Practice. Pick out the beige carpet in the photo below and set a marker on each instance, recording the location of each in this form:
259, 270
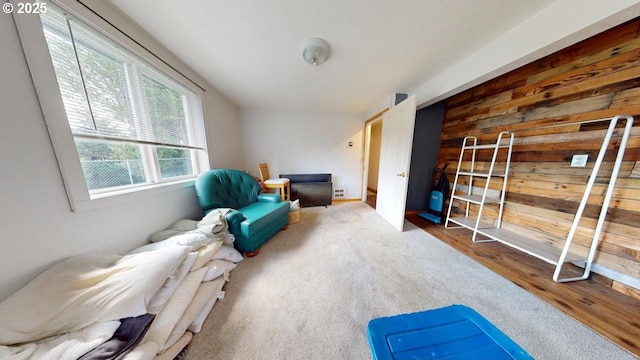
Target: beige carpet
313, 288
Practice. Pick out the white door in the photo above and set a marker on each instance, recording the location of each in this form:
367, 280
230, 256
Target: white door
395, 158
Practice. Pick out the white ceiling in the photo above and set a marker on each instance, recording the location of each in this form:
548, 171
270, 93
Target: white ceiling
250, 49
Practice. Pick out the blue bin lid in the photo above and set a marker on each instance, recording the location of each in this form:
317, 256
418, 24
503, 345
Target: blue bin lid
452, 332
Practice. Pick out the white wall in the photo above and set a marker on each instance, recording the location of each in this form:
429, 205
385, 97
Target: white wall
305, 142
38, 228
223, 132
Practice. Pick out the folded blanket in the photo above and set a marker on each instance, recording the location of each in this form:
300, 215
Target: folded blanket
169, 287
83, 290
126, 337
172, 311
214, 222
213, 225
198, 321
68, 346
205, 292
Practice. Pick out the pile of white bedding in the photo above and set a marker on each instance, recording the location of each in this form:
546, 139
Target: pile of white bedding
143, 305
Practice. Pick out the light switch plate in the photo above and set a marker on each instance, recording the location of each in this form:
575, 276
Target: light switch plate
579, 160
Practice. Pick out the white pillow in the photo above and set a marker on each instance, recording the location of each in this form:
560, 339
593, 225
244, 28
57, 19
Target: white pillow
84, 289
185, 225
164, 293
197, 323
204, 293
205, 254
227, 238
228, 253
177, 228
172, 311
218, 268
192, 240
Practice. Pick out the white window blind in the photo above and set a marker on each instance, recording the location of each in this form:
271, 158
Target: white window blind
131, 123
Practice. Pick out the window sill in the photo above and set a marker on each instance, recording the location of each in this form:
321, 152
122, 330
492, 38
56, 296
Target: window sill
131, 194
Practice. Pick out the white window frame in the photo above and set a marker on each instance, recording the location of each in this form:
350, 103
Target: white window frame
44, 79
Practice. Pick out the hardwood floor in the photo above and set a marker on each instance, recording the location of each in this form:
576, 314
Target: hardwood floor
371, 197
608, 312
371, 200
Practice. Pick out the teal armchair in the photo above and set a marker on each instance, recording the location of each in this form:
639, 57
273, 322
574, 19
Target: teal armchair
254, 217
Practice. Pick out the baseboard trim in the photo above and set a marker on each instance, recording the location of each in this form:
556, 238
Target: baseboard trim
334, 201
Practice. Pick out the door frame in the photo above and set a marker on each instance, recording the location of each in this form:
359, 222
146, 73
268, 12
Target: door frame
366, 149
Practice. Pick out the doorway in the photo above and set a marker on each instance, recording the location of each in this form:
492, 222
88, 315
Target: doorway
372, 141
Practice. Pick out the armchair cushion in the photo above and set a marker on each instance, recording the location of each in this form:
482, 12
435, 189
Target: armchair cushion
254, 217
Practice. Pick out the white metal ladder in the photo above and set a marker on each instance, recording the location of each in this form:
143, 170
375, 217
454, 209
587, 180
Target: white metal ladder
605, 204
504, 141
533, 247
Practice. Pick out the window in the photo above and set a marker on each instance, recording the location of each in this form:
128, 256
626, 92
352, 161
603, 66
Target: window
132, 124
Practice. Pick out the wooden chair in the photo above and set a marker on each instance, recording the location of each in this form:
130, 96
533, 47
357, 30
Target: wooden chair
283, 184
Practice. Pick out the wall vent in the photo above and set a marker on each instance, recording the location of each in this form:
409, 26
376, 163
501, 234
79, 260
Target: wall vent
338, 193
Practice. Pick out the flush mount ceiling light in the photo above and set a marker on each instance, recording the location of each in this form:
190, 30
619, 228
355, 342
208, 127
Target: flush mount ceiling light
315, 51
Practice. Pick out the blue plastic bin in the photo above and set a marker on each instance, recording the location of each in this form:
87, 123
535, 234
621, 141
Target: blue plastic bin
453, 332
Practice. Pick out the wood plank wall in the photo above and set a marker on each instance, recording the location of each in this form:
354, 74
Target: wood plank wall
596, 78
